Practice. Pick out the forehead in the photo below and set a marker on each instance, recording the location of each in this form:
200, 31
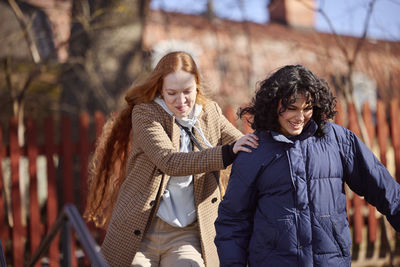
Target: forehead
299, 99
178, 80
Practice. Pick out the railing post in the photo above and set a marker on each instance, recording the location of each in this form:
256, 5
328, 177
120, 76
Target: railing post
45, 244
66, 244
67, 219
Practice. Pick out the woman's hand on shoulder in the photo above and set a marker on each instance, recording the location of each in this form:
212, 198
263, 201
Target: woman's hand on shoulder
242, 144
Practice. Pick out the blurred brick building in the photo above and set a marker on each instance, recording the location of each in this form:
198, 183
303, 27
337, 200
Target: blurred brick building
233, 56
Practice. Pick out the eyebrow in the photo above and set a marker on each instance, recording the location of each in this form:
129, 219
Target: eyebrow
187, 88
306, 106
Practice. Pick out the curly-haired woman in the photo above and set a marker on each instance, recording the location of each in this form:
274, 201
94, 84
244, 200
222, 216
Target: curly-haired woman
285, 203
155, 168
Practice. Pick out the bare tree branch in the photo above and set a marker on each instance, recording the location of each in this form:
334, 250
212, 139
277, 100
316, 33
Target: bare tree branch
247, 33
337, 37
7, 74
98, 89
350, 60
361, 40
20, 18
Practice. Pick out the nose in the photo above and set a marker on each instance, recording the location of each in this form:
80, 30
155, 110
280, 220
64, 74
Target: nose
300, 115
181, 98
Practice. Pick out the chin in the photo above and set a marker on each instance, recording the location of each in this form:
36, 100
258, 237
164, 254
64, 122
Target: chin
294, 133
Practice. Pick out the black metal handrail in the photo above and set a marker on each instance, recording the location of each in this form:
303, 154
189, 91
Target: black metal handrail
70, 217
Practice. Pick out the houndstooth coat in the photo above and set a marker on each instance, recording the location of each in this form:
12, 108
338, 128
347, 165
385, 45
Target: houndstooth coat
154, 157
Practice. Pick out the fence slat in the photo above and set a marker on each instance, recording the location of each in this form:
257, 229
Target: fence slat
358, 203
395, 126
67, 171
67, 160
18, 232
35, 225
52, 209
84, 150
339, 118
382, 130
4, 234
372, 221
99, 121
395, 123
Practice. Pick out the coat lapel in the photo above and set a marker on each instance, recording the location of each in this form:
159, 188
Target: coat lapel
171, 128
206, 133
175, 134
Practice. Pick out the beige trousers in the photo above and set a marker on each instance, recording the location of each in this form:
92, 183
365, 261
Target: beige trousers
165, 246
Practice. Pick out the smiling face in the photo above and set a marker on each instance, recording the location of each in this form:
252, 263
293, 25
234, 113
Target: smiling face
179, 91
295, 117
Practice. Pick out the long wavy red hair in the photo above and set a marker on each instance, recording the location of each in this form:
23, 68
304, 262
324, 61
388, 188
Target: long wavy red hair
108, 164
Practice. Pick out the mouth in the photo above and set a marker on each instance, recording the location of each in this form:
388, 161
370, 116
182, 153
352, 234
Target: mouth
181, 108
296, 125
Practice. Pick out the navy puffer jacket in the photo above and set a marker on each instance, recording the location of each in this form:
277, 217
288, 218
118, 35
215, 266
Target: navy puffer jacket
285, 204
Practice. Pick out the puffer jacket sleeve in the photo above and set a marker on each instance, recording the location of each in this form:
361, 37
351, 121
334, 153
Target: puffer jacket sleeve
368, 177
234, 224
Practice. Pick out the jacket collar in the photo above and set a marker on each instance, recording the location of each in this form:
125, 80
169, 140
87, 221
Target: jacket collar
308, 131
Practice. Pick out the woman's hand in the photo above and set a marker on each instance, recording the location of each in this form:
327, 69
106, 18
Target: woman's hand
249, 139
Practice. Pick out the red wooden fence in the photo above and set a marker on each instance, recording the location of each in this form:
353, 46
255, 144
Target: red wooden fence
68, 159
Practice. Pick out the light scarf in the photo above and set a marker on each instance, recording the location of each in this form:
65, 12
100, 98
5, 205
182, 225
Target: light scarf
189, 122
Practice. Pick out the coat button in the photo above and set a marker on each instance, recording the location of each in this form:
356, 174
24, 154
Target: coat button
214, 200
159, 171
137, 232
152, 203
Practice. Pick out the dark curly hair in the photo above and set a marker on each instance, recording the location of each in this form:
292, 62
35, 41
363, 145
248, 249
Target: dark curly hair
284, 85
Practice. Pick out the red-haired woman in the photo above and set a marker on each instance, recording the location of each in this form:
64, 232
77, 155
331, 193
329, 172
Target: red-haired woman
154, 171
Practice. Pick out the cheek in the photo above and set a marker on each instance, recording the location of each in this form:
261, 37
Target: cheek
192, 97
169, 100
308, 115
282, 119
284, 115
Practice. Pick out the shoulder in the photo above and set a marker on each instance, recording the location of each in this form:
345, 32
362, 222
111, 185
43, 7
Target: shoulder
247, 165
212, 108
145, 107
211, 112
148, 109
342, 135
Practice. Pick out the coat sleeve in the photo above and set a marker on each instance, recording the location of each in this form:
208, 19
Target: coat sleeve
368, 177
234, 224
158, 147
229, 133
